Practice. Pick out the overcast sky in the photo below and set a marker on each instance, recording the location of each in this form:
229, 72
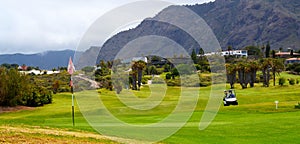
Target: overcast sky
34, 26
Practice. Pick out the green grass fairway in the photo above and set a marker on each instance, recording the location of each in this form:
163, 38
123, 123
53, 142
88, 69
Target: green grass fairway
254, 120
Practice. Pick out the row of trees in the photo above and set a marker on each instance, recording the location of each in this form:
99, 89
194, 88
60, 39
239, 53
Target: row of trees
18, 89
246, 71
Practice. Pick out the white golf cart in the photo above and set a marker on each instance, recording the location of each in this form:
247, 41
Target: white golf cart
230, 98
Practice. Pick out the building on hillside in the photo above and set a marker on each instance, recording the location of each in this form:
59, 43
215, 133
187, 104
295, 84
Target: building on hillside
144, 59
236, 53
39, 72
129, 60
286, 54
292, 60
52, 72
33, 71
23, 68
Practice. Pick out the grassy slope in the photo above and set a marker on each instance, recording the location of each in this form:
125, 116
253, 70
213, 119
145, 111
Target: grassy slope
255, 120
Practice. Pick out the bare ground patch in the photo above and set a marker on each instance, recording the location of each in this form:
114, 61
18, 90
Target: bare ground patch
14, 109
9, 134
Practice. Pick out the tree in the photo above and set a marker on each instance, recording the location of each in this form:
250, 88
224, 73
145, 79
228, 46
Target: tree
167, 67
201, 51
254, 66
241, 69
137, 68
62, 68
13, 86
231, 74
194, 56
253, 50
229, 48
104, 70
277, 66
152, 70
292, 53
273, 54
174, 73
202, 60
55, 86
265, 68
297, 69
268, 48
281, 81
109, 64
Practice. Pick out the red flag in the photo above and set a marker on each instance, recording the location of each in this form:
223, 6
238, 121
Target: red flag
71, 83
71, 68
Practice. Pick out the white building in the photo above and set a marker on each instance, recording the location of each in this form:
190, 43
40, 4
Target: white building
129, 60
237, 53
39, 72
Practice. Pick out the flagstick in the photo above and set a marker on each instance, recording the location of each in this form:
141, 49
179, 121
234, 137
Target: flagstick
73, 107
71, 84
71, 70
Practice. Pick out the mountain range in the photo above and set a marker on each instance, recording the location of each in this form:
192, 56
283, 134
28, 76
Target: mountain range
46, 60
237, 23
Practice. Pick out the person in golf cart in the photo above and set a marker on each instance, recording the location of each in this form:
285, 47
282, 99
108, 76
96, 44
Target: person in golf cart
225, 94
231, 95
229, 98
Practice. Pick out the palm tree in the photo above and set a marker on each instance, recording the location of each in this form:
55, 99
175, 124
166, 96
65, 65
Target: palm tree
248, 72
265, 68
241, 69
231, 74
277, 66
133, 76
137, 68
253, 69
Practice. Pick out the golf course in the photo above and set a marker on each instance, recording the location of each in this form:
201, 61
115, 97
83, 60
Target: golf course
254, 120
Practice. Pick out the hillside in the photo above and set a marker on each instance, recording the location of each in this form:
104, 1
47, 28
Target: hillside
245, 22
235, 22
46, 60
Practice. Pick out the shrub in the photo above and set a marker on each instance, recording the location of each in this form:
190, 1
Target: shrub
281, 81
55, 86
297, 106
297, 69
173, 82
145, 79
37, 97
292, 81
168, 76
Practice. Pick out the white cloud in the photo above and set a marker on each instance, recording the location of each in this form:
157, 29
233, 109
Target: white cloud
31, 26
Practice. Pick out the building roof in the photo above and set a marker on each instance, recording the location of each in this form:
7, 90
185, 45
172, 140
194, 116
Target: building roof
293, 59
286, 53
